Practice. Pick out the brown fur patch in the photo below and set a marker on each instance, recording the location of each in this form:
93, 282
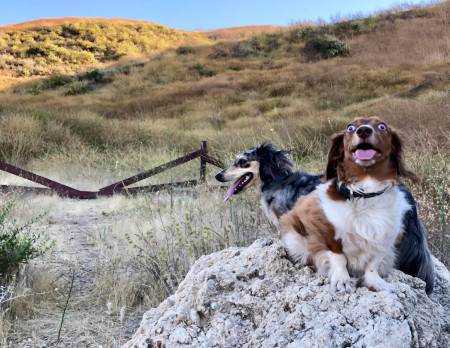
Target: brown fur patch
298, 226
308, 219
333, 193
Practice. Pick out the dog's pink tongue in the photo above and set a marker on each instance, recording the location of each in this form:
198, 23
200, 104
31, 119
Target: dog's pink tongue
232, 188
365, 155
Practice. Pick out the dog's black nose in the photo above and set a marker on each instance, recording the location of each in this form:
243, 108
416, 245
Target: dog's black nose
364, 131
219, 177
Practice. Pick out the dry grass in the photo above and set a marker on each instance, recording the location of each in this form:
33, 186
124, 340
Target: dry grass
128, 255
239, 33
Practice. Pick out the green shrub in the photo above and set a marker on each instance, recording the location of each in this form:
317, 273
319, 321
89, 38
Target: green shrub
69, 30
307, 32
270, 42
19, 243
326, 47
356, 26
185, 50
76, 87
202, 70
217, 54
55, 82
245, 49
95, 75
36, 51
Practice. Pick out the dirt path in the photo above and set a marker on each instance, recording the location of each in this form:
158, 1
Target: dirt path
88, 321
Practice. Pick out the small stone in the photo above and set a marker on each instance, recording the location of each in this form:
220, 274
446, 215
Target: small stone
180, 335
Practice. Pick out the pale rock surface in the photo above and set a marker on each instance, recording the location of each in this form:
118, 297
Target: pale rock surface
255, 297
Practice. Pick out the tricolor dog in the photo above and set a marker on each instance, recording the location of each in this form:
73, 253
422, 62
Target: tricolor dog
270, 171
349, 226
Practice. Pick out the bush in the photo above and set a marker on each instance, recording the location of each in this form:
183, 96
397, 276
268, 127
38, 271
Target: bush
202, 70
95, 75
217, 54
185, 50
55, 82
36, 51
326, 47
245, 49
77, 87
270, 42
19, 243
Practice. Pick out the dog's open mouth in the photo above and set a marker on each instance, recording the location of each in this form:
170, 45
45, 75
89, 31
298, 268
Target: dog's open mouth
366, 152
239, 185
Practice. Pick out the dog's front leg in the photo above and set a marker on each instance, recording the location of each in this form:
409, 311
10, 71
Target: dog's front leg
373, 280
334, 266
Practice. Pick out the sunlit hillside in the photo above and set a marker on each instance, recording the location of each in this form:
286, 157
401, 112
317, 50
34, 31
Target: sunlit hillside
52, 46
52, 22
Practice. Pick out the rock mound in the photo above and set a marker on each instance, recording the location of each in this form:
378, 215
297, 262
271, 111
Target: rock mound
255, 297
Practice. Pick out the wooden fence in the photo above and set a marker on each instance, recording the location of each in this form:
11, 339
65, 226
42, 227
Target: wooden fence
118, 187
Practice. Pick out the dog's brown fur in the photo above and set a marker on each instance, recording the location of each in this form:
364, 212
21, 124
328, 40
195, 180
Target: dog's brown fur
317, 236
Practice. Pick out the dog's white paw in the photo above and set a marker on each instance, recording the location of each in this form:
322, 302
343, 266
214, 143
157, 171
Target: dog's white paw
379, 284
342, 284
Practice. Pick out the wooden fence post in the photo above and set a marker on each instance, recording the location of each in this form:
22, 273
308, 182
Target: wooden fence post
204, 149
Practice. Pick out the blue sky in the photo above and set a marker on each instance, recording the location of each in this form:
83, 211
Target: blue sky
191, 15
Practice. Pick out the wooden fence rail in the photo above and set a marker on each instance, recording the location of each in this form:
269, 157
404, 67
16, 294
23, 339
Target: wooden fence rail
118, 187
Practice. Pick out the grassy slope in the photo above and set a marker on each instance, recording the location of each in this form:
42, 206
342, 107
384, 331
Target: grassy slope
46, 47
239, 33
238, 94
65, 45
259, 85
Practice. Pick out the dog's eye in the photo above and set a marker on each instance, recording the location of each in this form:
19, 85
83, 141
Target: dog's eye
351, 128
242, 162
382, 126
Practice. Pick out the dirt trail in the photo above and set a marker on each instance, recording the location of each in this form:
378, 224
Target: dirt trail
88, 322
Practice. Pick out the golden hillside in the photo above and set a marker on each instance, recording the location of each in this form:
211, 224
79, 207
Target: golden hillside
51, 46
55, 46
53, 22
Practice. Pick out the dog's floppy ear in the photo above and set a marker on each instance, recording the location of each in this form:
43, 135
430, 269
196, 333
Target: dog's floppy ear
272, 162
264, 152
265, 171
266, 166
335, 155
267, 161
396, 157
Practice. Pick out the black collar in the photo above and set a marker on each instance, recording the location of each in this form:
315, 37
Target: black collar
349, 194
286, 174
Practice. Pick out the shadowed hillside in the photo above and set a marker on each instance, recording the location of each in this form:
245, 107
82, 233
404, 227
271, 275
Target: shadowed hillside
239, 33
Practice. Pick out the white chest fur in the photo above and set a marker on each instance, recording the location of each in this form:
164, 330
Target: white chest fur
367, 227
